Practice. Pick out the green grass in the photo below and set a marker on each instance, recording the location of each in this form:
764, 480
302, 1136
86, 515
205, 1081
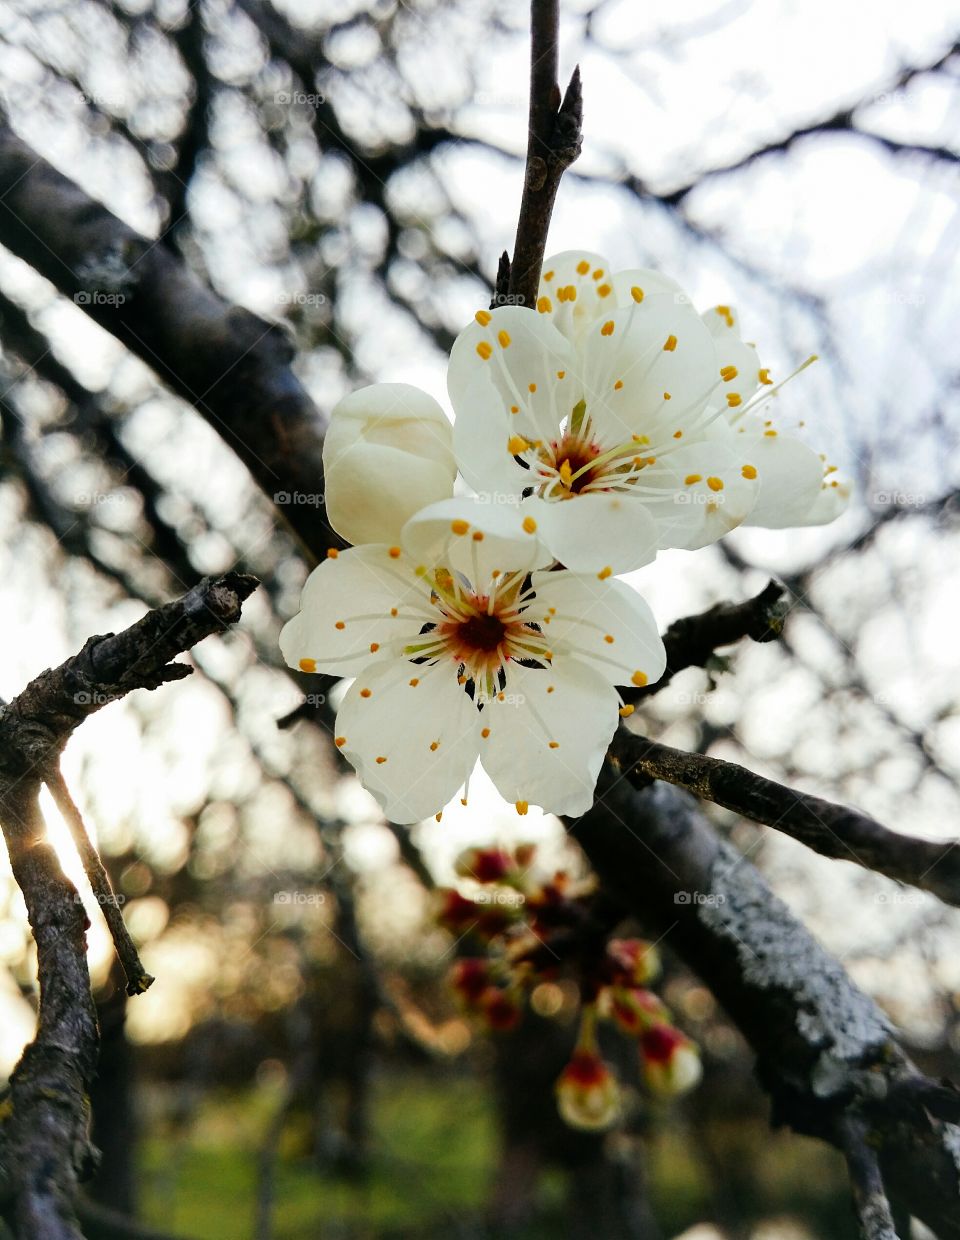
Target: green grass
431, 1157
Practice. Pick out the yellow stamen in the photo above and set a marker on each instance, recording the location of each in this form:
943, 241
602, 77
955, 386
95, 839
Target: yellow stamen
544, 305
692, 478
522, 807
734, 399
637, 294
529, 525
607, 329
639, 679
715, 484
308, 665
504, 339
485, 349
670, 344
626, 711
605, 572
728, 372
749, 471
483, 317
459, 526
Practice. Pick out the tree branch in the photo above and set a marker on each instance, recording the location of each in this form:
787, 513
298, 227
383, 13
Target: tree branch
832, 830
553, 143
823, 1047
44, 1145
233, 367
869, 1196
693, 640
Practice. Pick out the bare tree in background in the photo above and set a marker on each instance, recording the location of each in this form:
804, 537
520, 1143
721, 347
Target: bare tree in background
332, 159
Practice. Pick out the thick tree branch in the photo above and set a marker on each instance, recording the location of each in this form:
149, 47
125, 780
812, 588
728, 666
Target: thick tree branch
553, 143
44, 1146
832, 830
233, 367
823, 1047
869, 1195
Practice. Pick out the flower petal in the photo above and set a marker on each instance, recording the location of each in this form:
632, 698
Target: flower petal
605, 622
575, 287
649, 370
504, 373
387, 452
421, 725
548, 735
594, 530
701, 491
474, 538
790, 476
356, 609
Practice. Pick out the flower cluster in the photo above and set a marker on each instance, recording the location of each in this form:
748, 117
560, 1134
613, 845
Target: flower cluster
611, 423
533, 932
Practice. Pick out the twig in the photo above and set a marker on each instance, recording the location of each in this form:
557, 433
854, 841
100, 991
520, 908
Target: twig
869, 1196
138, 979
553, 143
693, 640
832, 830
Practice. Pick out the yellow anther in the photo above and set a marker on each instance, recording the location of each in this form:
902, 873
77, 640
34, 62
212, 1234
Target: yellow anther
604, 573
749, 471
548, 276
667, 396
339, 741
365, 693
522, 807
770, 434
374, 647
434, 746
504, 339
604, 290
380, 761
514, 408
483, 317
566, 474
531, 387
583, 267
308, 665
394, 553
485, 733
544, 305
637, 294
332, 553
550, 688
608, 638
734, 399
764, 376
439, 815
678, 434
715, 484
414, 682
517, 444
639, 679
692, 478
561, 374
670, 344
554, 744
640, 438
728, 372
340, 625
485, 349
529, 525
626, 711
393, 611
726, 314
459, 526
618, 385
607, 329
598, 274
478, 535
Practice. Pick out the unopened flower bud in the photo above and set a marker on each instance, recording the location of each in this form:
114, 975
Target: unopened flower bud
387, 453
470, 979
588, 1096
485, 865
632, 961
671, 1062
634, 1009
